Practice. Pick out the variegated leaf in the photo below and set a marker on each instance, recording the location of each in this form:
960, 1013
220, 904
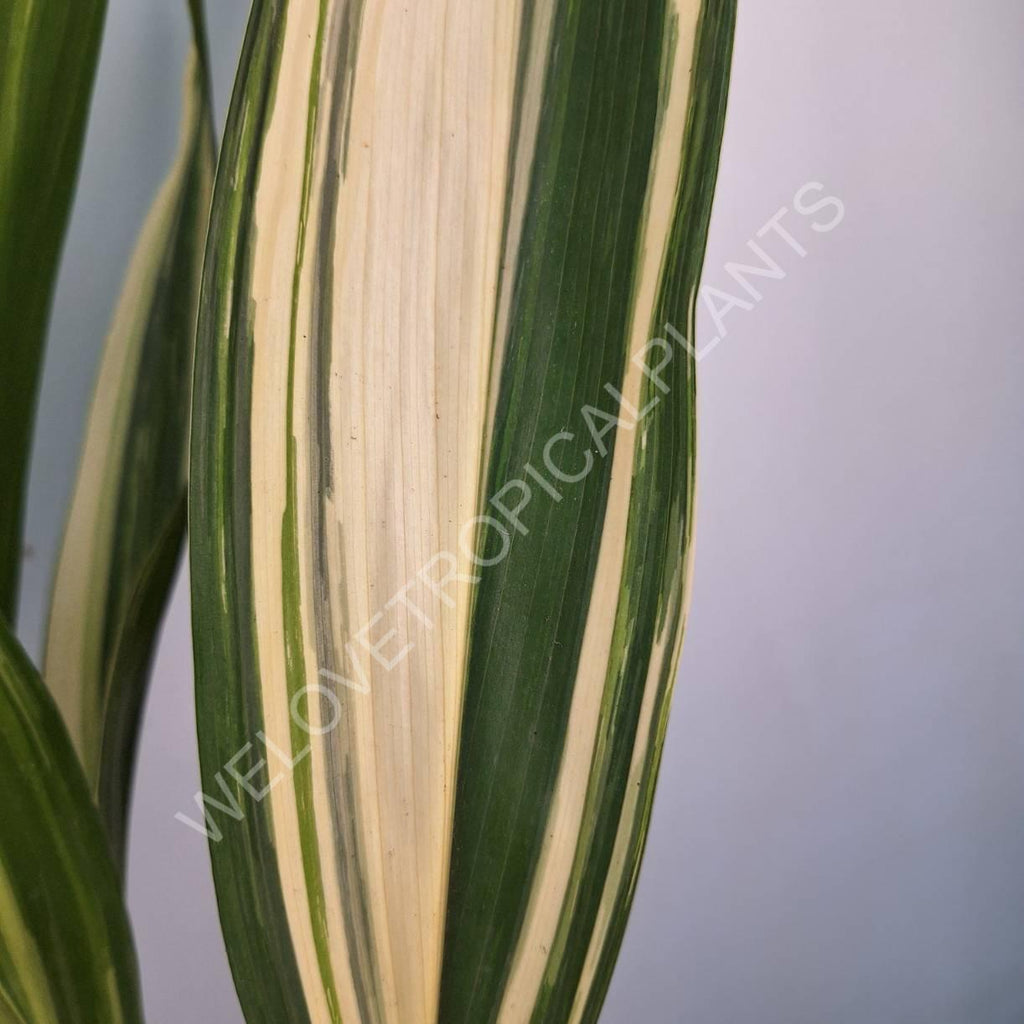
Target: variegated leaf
442, 492
127, 516
48, 54
66, 953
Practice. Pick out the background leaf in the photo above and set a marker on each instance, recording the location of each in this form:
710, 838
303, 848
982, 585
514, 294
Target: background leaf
429, 740
48, 54
66, 954
127, 516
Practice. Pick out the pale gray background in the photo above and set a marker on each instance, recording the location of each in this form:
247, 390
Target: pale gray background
839, 830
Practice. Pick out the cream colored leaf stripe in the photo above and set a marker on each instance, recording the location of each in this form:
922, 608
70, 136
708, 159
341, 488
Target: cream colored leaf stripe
441, 498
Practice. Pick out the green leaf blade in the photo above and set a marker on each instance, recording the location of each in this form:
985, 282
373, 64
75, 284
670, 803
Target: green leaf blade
48, 56
126, 523
68, 951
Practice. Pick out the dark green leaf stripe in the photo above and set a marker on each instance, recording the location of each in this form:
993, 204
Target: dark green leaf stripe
652, 604
442, 492
66, 954
658, 568
48, 54
569, 337
127, 516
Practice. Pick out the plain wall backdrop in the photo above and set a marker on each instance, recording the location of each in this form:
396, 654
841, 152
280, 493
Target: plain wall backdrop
838, 836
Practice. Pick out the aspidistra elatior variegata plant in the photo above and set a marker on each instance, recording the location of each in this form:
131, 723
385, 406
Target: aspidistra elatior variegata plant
442, 492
